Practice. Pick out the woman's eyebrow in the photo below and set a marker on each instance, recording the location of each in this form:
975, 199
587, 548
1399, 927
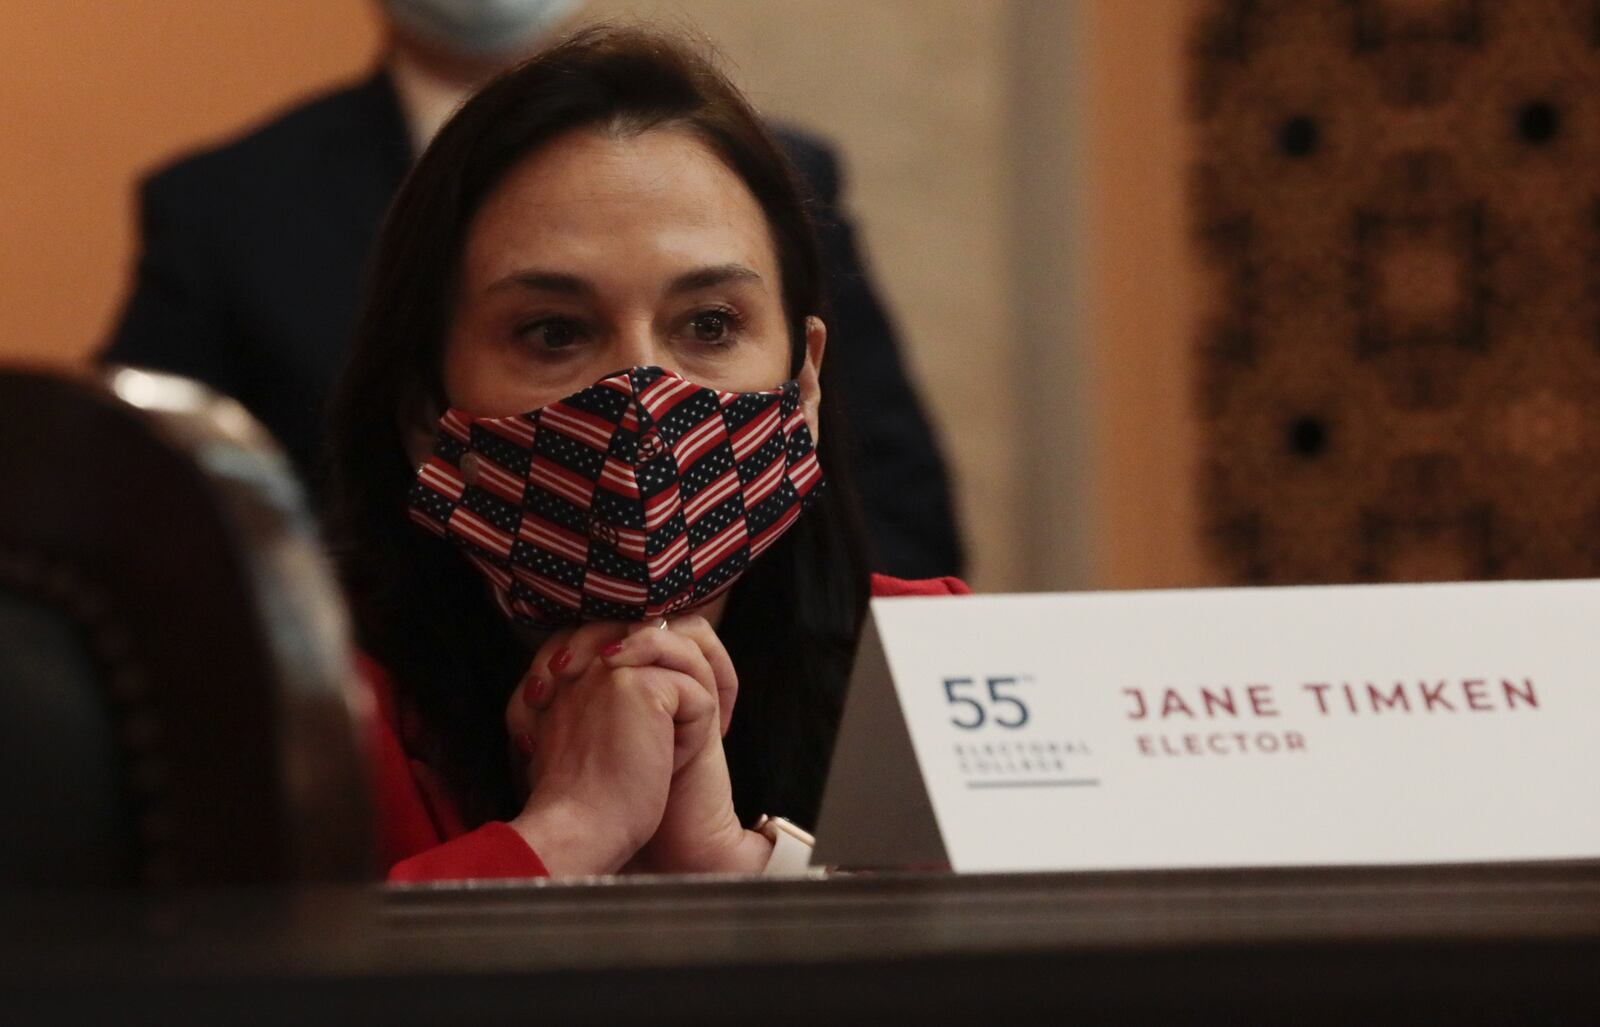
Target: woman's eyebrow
572, 285
545, 281
707, 277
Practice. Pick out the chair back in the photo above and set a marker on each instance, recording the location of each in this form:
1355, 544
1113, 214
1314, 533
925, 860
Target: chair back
176, 685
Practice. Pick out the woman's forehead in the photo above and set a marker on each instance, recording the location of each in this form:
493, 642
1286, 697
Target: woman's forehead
661, 195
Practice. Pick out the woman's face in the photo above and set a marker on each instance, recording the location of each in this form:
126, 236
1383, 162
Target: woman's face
599, 253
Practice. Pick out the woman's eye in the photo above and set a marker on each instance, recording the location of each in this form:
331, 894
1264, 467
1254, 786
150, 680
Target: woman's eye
552, 332
712, 326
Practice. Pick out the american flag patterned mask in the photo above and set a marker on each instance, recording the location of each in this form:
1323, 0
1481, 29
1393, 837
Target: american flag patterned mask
641, 495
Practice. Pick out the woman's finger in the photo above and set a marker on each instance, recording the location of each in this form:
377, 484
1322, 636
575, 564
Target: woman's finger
686, 700
535, 690
700, 630
522, 724
567, 654
646, 646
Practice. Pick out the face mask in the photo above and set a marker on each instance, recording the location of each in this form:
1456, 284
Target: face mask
481, 28
639, 496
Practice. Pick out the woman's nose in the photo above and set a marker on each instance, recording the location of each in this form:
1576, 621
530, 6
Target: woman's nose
639, 346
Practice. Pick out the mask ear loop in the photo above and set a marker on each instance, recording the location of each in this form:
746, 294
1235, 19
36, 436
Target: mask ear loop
662, 624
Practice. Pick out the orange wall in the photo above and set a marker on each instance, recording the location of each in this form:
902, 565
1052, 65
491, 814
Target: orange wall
94, 92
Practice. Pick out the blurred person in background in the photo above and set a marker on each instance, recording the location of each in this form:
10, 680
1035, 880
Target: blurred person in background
254, 256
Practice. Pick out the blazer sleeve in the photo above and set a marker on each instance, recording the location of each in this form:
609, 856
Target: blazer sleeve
175, 317
885, 587
494, 850
419, 832
900, 472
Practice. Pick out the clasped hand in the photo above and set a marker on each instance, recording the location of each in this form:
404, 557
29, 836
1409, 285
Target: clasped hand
620, 727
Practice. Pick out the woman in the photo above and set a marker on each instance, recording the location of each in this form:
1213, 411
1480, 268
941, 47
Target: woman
593, 322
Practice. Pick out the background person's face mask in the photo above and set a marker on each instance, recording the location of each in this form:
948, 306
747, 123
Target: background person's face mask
481, 28
638, 496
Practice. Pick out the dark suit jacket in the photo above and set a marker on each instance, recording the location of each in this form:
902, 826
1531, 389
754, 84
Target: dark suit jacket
251, 274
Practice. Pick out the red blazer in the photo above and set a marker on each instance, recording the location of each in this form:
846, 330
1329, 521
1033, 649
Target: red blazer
420, 827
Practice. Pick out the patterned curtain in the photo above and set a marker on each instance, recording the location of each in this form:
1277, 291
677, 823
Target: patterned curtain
1398, 211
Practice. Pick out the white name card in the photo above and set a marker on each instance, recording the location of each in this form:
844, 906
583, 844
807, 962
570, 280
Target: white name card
1380, 724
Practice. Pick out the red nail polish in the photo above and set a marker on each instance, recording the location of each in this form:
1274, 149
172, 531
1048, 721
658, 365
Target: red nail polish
524, 744
559, 661
533, 692
611, 650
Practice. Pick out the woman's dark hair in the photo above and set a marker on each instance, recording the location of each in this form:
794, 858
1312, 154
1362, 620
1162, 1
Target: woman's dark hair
791, 623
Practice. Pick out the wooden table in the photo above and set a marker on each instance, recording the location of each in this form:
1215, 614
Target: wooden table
1473, 944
